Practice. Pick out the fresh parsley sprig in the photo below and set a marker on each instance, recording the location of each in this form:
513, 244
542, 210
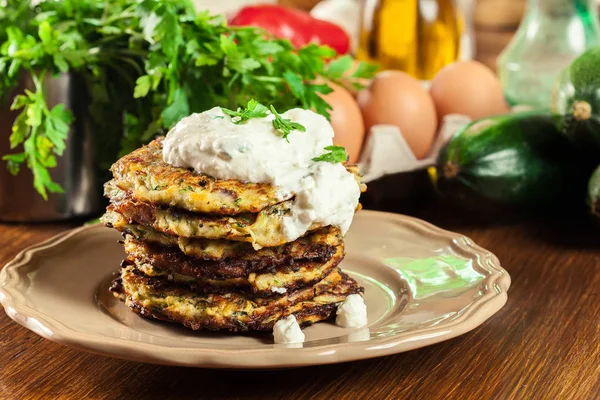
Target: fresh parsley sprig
253, 110
256, 110
336, 154
285, 125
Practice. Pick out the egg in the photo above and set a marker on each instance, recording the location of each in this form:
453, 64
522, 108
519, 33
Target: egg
468, 88
346, 120
396, 98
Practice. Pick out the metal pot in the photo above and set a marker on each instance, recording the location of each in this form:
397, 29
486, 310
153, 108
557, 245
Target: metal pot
75, 172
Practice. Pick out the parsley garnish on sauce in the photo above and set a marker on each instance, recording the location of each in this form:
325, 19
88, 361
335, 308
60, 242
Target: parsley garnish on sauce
285, 126
256, 110
336, 154
253, 110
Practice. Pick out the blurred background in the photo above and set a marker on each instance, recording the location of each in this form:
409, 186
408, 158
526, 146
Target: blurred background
494, 22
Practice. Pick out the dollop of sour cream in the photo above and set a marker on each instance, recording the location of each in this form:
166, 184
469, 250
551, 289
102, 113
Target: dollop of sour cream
287, 331
352, 313
254, 151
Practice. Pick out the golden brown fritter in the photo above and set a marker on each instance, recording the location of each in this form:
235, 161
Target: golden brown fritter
218, 277
160, 299
264, 229
146, 177
144, 173
318, 245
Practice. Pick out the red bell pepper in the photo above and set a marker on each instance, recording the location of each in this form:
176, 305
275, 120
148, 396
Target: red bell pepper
296, 25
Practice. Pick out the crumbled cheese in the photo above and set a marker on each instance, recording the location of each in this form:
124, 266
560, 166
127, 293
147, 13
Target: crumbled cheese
352, 313
288, 331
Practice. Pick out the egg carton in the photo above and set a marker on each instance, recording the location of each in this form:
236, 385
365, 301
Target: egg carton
386, 152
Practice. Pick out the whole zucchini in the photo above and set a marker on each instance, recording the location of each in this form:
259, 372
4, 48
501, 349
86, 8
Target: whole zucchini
576, 102
508, 162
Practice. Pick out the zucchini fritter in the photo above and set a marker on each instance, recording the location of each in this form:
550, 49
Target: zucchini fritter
218, 277
158, 298
144, 173
319, 244
264, 229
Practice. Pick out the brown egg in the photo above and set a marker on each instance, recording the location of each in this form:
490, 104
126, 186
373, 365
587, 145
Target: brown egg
346, 120
396, 98
468, 88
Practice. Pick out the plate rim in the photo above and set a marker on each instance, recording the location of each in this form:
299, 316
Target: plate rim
493, 300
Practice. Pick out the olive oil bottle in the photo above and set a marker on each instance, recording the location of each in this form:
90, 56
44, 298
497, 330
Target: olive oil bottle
418, 37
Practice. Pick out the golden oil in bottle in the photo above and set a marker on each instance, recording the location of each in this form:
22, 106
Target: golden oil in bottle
418, 37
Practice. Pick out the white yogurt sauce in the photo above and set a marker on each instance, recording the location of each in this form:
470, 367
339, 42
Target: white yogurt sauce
352, 313
254, 151
288, 331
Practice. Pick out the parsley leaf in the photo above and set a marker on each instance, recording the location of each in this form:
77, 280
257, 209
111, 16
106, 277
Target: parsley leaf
285, 125
57, 127
338, 66
296, 84
365, 70
253, 110
142, 86
336, 154
14, 162
178, 109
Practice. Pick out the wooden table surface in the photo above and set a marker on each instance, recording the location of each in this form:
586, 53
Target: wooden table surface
544, 344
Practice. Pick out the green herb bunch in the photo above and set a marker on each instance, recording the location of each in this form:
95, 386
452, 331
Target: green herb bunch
145, 64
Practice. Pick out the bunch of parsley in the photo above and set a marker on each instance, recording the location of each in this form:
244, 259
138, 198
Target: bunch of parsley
145, 64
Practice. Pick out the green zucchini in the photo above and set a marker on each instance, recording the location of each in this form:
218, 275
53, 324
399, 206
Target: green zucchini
594, 193
508, 162
576, 102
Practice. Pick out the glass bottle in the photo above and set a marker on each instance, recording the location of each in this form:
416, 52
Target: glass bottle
552, 34
415, 36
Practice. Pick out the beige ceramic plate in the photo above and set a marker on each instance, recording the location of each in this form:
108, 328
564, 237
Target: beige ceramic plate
422, 285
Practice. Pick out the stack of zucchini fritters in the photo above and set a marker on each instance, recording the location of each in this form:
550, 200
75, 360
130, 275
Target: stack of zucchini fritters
212, 254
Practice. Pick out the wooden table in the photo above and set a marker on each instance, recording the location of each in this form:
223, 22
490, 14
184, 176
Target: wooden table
544, 344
